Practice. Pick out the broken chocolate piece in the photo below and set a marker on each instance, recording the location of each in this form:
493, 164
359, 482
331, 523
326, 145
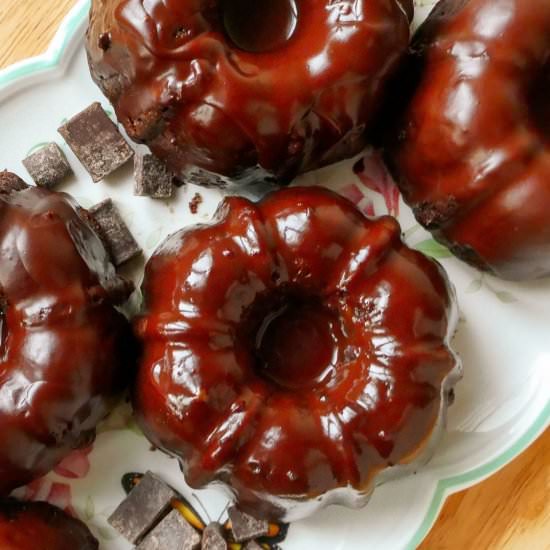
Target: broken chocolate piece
143, 507
96, 141
212, 538
246, 527
10, 182
48, 166
114, 232
252, 545
152, 178
172, 533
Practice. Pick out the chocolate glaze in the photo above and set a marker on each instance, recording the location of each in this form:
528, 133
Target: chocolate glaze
295, 93
65, 351
38, 525
473, 150
259, 27
291, 349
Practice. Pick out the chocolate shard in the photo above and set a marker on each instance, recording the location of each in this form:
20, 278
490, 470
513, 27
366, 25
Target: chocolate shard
172, 533
149, 501
96, 141
48, 166
246, 527
114, 232
152, 178
252, 545
212, 538
10, 182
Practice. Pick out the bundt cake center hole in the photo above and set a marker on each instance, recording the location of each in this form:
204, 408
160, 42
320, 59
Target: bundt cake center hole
258, 26
540, 105
296, 345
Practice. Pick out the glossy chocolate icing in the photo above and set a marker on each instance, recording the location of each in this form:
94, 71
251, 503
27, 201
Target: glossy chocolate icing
41, 526
220, 85
473, 151
294, 350
65, 351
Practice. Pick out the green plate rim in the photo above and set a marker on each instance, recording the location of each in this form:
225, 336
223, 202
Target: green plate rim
444, 487
53, 57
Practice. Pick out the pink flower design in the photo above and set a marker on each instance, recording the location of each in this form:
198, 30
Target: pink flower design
368, 209
36, 490
76, 465
358, 197
60, 495
44, 490
374, 175
353, 193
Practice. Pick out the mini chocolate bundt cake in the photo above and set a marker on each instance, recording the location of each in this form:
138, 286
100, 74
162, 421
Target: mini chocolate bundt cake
295, 351
472, 152
247, 87
65, 351
41, 526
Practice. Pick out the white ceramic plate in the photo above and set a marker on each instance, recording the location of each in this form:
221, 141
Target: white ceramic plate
502, 404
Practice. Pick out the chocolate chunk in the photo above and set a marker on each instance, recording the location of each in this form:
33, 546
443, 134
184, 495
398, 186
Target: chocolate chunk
114, 232
195, 202
48, 166
96, 141
172, 533
204, 178
246, 527
212, 538
10, 182
142, 509
252, 545
152, 178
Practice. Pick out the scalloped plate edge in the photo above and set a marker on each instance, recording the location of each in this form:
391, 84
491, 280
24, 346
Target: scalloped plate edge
54, 62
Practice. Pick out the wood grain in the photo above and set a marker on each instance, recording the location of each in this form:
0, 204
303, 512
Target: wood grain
27, 26
510, 511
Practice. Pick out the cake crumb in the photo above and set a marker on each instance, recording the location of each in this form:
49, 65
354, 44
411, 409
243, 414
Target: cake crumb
195, 203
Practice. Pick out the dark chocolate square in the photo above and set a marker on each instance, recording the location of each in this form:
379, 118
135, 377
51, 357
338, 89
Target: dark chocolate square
152, 178
212, 538
10, 182
48, 166
172, 533
246, 527
141, 510
114, 232
96, 141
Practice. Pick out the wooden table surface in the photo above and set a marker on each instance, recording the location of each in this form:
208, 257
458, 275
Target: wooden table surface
509, 511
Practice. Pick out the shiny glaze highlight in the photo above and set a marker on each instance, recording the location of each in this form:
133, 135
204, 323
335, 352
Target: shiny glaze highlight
357, 386
473, 153
283, 105
65, 351
41, 526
